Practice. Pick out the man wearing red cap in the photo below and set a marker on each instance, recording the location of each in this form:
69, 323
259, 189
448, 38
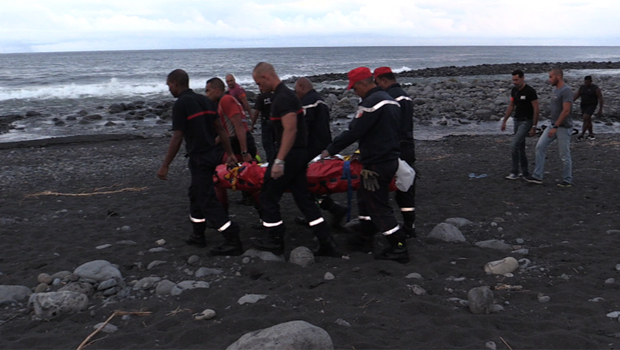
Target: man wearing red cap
385, 78
375, 127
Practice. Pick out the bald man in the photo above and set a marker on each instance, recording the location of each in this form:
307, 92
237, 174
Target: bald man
288, 170
316, 112
236, 91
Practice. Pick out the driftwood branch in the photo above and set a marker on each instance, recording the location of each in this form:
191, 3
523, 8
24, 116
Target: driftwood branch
116, 313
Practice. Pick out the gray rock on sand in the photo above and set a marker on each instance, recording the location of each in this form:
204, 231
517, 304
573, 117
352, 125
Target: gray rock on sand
251, 298
458, 222
494, 244
9, 293
79, 287
164, 287
187, 285
447, 232
301, 256
293, 335
205, 271
99, 270
480, 300
263, 255
54, 304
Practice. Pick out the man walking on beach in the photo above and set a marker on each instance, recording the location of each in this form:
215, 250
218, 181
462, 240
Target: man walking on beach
316, 113
591, 95
194, 118
375, 127
288, 170
561, 129
524, 102
386, 80
236, 91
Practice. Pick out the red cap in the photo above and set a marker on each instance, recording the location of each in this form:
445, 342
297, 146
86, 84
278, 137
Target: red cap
358, 74
382, 70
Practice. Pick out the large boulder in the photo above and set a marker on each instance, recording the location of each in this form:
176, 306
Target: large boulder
294, 335
54, 304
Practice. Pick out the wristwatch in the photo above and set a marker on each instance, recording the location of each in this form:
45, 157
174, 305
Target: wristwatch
244, 153
554, 126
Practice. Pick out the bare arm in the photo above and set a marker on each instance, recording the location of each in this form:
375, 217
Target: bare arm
509, 110
289, 125
536, 107
173, 149
230, 156
245, 104
240, 132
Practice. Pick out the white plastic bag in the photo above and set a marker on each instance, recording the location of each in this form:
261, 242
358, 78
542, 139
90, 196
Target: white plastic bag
405, 176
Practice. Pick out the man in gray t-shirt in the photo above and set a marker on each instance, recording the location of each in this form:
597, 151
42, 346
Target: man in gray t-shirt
561, 129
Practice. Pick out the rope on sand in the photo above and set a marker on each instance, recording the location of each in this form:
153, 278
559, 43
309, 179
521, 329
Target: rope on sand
50, 193
116, 313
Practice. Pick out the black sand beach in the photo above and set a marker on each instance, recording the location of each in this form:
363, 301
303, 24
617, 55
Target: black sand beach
571, 235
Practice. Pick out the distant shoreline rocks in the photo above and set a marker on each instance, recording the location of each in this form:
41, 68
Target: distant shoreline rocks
448, 101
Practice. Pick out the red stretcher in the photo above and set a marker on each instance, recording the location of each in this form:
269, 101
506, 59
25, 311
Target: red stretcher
324, 177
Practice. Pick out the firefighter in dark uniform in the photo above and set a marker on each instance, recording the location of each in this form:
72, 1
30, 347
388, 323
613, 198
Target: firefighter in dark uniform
195, 119
375, 127
262, 107
316, 112
288, 170
385, 79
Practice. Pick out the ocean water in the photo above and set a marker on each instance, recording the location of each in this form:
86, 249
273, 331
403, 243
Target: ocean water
59, 84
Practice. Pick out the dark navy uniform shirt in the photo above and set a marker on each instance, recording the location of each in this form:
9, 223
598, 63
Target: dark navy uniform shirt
284, 102
405, 132
375, 126
317, 117
194, 114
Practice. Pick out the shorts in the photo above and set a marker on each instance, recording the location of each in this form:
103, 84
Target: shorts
588, 109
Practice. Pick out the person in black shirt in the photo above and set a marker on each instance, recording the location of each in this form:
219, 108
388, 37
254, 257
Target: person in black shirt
262, 107
316, 113
288, 169
591, 95
195, 119
386, 80
375, 127
524, 101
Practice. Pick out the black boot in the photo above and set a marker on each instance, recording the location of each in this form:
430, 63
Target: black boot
363, 236
274, 242
232, 242
197, 238
337, 211
328, 247
397, 251
409, 224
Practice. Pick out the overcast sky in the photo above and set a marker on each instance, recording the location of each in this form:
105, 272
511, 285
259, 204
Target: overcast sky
65, 25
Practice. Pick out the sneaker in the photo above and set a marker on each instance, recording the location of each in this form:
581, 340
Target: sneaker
512, 176
565, 184
533, 180
590, 137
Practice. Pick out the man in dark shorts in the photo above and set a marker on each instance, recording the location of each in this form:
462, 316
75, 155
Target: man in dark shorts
386, 80
375, 127
316, 113
194, 118
288, 169
591, 95
524, 102
262, 107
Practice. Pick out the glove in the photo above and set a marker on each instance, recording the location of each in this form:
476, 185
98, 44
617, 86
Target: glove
370, 180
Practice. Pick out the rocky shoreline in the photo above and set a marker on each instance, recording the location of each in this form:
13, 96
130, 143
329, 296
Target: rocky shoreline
446, 96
